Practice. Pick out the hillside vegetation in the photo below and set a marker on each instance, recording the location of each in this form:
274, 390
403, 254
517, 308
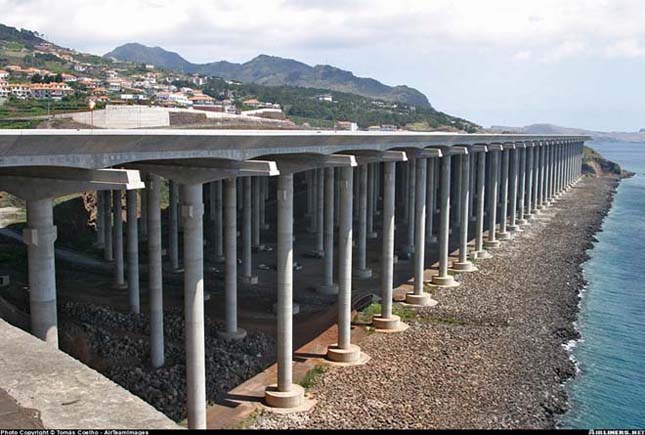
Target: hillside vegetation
302, 105
273, 71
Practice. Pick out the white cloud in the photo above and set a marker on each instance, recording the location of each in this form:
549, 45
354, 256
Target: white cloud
550, 30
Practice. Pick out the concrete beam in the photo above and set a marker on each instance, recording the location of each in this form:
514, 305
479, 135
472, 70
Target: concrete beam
194, 171
105, 148
364, 157
292, 163
33, 184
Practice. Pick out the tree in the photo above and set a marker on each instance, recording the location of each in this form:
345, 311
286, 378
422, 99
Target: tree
36, 78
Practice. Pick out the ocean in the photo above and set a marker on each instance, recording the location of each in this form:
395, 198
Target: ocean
609, 389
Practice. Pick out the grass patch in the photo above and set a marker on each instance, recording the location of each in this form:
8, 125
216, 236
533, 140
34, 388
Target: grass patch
447, 320
374, 309
311, 377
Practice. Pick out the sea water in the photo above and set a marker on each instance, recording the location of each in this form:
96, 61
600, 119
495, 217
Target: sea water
609, 388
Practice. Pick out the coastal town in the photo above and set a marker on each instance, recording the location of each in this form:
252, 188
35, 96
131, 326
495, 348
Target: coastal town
109, 82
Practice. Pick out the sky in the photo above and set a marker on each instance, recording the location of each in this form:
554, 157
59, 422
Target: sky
576, 63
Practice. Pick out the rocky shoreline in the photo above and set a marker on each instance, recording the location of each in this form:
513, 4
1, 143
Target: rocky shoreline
492, 353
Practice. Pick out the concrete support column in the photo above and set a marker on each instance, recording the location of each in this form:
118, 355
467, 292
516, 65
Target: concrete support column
558, 169
247, 257
418, 296
192, 211
412, 168
231, 330
431, 199
515, 166
309, 191
328, 286
522, 188
371, 234
547, 175
263, 203
100, 220
108, 252
144, 212
256, 181
473, 186
536, 179
173, 225
542, 202
387, 321
217, 224
493, 188
320, 219
344, 351
117, 242
480, 253
405, 189
464, 265
552, 176
529, 183
285, 394
362, 271
133, 251
312, 201
39, 236
503, 233
444, 279
153, 190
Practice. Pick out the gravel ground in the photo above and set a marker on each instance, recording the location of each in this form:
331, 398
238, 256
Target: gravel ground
116, 344
491, 354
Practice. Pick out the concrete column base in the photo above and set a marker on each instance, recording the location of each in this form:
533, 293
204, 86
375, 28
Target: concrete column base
123, 286
372, 235
422, 300
522, 222
392, 323
466, 266
444, 281
293, 398
504, 235
258, 248
328, 289
295, 308
346, 356
491, 243
235, 335
363, 273
252, 280
514, 228
531, 218
481, 255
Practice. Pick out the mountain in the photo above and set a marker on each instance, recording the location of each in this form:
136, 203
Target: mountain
22, 36
614, 136
273, 71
